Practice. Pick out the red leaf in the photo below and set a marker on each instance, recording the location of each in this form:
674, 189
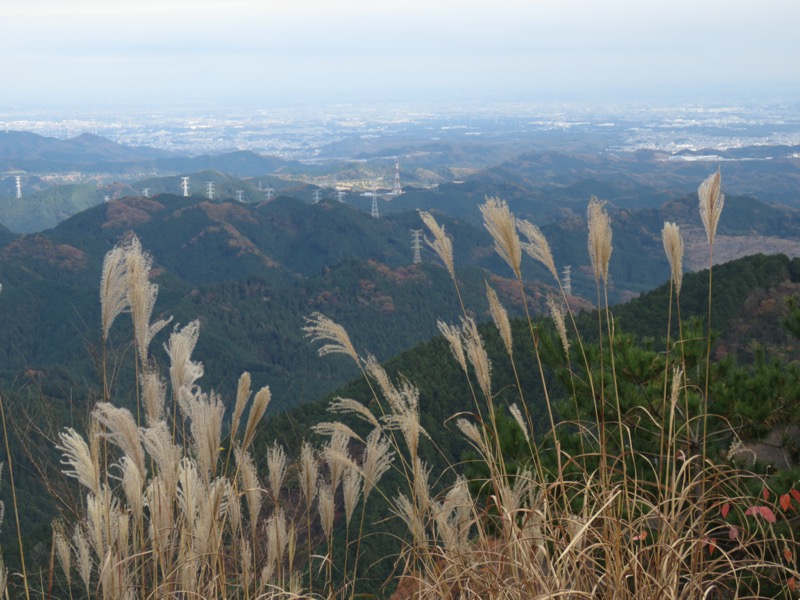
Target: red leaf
795, 494
641, 537
765, 493
792, 584
787, 554
764, 511
767, 514
786, 502
726, 508
733, 533
710, 544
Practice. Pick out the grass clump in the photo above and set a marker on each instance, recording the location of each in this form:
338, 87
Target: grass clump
625, 491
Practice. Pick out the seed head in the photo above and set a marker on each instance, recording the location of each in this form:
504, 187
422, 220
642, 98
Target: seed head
500, 223
711, 202
537, 246
673, 246
441, 244
599, 238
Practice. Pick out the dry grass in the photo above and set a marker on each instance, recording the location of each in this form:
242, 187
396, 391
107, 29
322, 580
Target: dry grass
170, 513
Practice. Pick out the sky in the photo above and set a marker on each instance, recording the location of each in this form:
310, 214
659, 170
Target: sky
276, 52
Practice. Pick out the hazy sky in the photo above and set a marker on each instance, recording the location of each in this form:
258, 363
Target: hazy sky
279, 51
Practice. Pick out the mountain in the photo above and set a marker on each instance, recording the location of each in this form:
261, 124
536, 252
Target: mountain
21, 150
251, 273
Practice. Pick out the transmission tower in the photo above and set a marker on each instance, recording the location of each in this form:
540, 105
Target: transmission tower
567, 280
18, 179
375, 214
146, 192
416, 245
210, 190
397, 190
269, 194
107, 199
240, 195
340, 195
185, 186
317, 196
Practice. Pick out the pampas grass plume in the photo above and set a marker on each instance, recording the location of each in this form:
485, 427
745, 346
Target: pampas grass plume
501, 225
599, 238
500, 318
441, 244
243, 391
537, 246
711, 202
321, 328
557, 313
673, 247
257, 410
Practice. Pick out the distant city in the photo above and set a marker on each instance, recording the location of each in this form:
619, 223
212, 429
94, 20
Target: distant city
340, 132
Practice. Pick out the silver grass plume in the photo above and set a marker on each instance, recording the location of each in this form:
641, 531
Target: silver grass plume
276, 465
441, 244
677, 376
404, 416
246, 562
154, 395
121, 431
405, 509
257, 410
328, 428
321, 328
711, 202
599, 238
452, 334
113, 286
673, 247
309, 473
167, 456
501, 225
459, 502
392, 394
476, 353
326, 509
277, 537
142, 296
422, 494
183, 371
243, 391
377, 460
515, 412
133, 486
350, 406
500, 318
63, 550
189, 494
250, 483
337, 456
83, 555
234, 513
557, 313
206, 428
80, 462
351, 491
473, 434
537, 246
161, 526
